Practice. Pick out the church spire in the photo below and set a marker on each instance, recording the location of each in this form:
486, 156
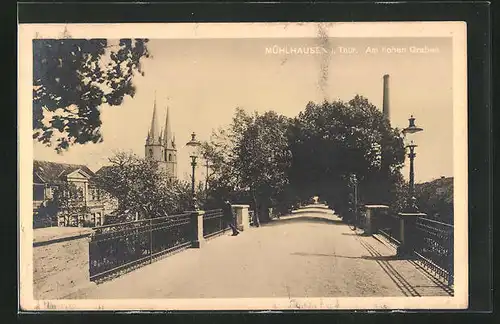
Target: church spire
154, 134
167, 135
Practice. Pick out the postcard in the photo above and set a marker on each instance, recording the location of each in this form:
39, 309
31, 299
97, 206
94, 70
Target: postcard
243, 166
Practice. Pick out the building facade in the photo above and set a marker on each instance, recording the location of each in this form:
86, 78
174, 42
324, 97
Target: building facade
160, 145
50, 179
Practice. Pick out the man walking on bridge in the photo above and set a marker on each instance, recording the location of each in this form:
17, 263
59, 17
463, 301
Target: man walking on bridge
229, 217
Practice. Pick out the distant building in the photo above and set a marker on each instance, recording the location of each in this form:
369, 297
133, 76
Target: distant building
160, 145
109, 202
47, 177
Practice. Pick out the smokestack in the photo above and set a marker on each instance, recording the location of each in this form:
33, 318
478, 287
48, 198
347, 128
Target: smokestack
385, 104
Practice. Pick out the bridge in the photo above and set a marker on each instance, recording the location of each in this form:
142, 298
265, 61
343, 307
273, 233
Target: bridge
309, 253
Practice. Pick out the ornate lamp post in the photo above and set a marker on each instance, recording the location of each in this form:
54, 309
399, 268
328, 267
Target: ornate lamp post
411, 129
353, 182
193, 144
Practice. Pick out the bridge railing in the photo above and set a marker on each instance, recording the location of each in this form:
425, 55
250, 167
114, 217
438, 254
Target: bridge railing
434, 245
251, 215
214, 223
429, 240
117, 248
390, 226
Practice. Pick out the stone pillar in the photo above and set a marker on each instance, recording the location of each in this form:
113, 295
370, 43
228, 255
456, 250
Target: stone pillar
242, 220
368, 220
408, 233
197, 239
373, 214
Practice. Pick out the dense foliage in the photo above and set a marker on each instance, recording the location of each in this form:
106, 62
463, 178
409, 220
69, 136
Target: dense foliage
435, 198
72, 78
249, 160
273, 161
141, 186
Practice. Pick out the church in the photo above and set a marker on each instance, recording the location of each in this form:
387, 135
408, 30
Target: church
160, 145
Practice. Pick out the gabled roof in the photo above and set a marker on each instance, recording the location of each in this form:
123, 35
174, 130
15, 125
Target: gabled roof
49, 172
103, 170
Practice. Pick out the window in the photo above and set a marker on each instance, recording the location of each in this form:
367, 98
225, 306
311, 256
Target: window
170, 157
151, 152
95, 194
38, 194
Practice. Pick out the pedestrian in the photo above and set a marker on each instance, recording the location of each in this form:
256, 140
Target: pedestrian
229, 217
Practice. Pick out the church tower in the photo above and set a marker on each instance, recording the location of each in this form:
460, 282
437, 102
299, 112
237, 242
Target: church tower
170, 151
154, 144
160, 145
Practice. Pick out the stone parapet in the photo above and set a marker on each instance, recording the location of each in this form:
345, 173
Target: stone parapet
241, 213
408, 233
197, 228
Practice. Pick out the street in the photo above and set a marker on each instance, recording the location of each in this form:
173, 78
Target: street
305, 255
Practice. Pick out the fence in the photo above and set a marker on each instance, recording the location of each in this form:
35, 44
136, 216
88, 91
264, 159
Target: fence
214, 223
251, 215
121, 247
431, 241
434, 245
390, 227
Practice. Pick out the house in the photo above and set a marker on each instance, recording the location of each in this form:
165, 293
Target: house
110, 203
48, 177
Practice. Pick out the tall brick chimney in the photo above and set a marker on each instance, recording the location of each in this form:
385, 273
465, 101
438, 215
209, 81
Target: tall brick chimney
385, 104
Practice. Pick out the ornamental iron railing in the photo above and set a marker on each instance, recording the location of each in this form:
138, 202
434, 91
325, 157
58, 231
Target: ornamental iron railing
433, 243
119, 248
251, 215
214, 223
390, 226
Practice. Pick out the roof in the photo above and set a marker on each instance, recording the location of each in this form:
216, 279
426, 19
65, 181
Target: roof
48, 172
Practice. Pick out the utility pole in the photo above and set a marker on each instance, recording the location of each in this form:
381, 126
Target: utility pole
206, 176
207, 165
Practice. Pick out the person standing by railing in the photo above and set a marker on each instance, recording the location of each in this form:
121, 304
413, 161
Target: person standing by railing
229, 217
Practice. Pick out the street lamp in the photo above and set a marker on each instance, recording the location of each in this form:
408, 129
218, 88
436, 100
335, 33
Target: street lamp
411, 129
193, 144
354, 180
207, 176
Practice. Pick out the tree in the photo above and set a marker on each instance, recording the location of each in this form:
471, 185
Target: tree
333, 140
263, 156
70, 204
250, 160
222, 152
435, 198
73, 78
140, 185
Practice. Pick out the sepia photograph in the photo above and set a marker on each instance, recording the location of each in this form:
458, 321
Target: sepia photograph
243, 166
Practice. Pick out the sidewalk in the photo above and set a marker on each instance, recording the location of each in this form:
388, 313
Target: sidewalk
50, 234
297, 256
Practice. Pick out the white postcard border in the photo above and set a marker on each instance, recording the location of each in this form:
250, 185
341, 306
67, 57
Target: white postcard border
456, 30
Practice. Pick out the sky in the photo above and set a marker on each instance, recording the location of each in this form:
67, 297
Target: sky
204, 80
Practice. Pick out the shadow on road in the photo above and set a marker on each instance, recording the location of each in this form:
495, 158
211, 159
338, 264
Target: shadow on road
364, 257
355, 234
302, 219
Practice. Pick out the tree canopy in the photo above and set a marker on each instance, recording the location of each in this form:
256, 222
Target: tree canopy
332, 140
140, 185
272, 160
435, 198
250, 159
73, 78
